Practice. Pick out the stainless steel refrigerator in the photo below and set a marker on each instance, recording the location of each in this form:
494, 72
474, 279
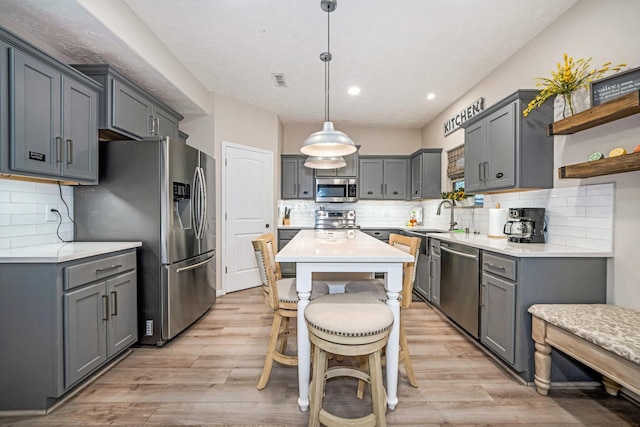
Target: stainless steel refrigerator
159, 191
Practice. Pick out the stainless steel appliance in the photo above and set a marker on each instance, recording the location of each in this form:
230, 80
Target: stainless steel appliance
159, 191
336, 190
460, 285
526, 225
335, 219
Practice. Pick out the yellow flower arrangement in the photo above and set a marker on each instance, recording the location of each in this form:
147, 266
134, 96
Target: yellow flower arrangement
456, 195
569, 77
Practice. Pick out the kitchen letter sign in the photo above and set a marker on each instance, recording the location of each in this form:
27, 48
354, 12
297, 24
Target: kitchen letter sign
454, 122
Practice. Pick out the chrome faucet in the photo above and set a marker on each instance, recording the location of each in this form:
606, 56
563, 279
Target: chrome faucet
452, 223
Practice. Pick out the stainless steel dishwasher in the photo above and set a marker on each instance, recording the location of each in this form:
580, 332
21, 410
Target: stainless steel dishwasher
460, 285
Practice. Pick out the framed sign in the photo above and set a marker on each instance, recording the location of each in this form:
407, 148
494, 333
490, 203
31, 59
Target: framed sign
613, 87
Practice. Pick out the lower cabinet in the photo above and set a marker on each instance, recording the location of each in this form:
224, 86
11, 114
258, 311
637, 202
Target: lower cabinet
67, 320
497, 313
434, 270
100, 323
510, 285
288, 269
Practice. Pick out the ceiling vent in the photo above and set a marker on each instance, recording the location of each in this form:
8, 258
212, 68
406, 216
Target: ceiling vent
278, 79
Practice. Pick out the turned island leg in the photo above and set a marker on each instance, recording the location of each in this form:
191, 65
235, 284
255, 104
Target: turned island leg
542, 357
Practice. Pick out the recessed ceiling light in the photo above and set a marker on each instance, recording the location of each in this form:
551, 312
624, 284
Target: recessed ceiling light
353, 90
431, 96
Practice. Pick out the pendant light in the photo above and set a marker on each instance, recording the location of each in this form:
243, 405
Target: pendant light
317, 162
327, 143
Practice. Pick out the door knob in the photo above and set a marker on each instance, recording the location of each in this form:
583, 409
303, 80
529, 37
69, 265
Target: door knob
266, 226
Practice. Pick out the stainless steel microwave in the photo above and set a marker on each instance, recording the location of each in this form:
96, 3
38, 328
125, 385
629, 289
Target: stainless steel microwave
337, 190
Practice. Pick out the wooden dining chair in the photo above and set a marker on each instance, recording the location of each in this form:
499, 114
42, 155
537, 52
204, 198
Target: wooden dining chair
375, 287
281, 296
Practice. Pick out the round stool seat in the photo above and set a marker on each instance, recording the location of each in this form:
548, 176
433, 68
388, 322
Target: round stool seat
359, 317
348, 325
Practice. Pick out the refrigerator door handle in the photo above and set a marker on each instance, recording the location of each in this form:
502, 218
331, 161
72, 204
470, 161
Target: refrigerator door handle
194, 266
195, 202
203, 202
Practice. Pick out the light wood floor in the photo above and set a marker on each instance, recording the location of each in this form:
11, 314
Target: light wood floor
208, 376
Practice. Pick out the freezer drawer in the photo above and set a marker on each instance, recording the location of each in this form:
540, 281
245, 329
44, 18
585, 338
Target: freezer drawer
189, 290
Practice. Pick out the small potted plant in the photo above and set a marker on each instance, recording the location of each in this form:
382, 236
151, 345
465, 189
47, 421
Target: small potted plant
460, 197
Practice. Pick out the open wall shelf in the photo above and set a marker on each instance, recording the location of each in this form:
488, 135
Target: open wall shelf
619, 108
626, 163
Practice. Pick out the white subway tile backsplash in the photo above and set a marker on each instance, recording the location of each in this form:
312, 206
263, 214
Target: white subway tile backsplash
568, 191
589, 243
22, 213
591, 222
600, 189
600, 211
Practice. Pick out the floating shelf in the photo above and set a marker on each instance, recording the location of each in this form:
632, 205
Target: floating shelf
626, 163
619, 108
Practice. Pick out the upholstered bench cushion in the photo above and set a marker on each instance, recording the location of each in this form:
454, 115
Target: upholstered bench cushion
349, 315
374, 287
613, 328
287, 290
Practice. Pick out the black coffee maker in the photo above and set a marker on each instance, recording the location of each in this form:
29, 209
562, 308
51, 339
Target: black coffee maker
526, 225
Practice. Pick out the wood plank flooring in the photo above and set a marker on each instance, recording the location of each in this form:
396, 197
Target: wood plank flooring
208, 376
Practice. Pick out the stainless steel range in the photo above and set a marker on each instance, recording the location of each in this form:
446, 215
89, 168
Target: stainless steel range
336, 219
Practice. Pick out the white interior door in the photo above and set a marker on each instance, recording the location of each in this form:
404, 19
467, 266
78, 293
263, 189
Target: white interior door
247, 206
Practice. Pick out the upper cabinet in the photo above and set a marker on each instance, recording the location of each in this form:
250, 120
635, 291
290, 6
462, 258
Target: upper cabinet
49, 124
349, 171
126, 111
505, 150
296, 180
426, 169
383, 177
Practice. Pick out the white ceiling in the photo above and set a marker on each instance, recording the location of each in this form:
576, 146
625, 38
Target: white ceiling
396, 52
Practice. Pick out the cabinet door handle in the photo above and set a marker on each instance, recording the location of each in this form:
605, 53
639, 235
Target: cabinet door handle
151, 126
101, 269
480, 171
483, 289
69, 151
486, 167
114, 303
105, 307
156, 126
58, 149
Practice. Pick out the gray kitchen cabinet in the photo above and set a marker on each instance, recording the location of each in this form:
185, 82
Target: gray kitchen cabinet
101, 322
434, 270
505, 150
510, 285
425, 170
383, 177
50, 122
288, 269
127, 111
380, 234
348, 171
296, 180
78, 315
497, 307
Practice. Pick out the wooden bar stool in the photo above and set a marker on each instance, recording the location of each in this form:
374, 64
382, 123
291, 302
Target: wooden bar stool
347, 325
281, 296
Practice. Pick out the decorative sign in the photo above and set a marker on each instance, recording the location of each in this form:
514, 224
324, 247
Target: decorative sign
613, 87
456, 121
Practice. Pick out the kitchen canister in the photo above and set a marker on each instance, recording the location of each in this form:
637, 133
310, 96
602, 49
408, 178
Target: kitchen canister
497, 218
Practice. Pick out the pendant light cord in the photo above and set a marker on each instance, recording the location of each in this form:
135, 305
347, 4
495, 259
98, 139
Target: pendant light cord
326, 72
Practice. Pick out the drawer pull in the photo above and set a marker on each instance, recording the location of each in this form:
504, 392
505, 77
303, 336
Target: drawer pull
101, 269
497, 267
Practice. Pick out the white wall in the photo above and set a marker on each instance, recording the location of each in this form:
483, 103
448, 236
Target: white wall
371, 140
606, 31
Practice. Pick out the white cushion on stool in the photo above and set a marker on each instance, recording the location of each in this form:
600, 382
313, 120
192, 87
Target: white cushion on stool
358, 314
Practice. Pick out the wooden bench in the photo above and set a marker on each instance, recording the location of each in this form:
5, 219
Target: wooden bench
602, 336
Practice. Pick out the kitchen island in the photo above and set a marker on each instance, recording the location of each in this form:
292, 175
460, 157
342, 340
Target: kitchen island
362, 253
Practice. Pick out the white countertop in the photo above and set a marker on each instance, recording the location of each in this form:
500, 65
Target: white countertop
503, 246
61, 252
305, 247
